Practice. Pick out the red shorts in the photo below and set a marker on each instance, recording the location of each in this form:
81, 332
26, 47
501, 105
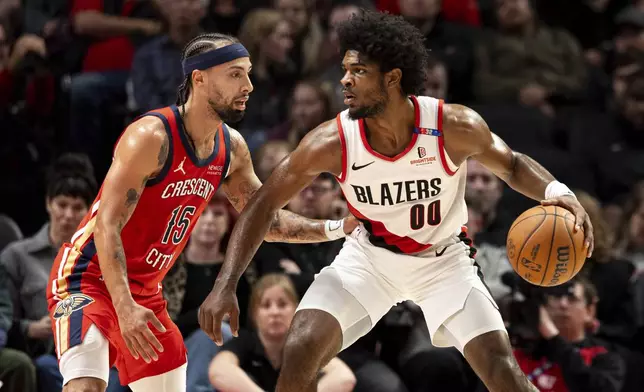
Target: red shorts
72, 317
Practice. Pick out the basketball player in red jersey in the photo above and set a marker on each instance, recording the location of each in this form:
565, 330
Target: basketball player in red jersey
105, 286
400, 161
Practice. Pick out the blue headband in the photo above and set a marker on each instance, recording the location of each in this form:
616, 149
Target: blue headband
214, 57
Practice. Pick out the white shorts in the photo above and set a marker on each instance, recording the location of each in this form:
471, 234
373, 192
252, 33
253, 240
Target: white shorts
364, 282
91, 358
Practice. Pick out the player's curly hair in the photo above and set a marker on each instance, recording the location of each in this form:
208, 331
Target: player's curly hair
389, 41
200, 44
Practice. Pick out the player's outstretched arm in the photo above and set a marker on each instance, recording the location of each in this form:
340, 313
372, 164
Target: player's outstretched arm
320, 151
242, 183
468, 136
140, 153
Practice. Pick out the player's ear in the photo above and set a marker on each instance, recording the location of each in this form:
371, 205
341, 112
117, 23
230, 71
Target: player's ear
393, 77
197, 78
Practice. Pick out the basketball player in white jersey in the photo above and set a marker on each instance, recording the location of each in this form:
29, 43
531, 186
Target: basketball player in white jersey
401, 163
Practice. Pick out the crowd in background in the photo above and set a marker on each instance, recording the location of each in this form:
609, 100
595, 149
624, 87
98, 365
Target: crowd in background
562, 81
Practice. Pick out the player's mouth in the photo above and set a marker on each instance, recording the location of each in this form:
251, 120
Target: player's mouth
241, 103
349, 98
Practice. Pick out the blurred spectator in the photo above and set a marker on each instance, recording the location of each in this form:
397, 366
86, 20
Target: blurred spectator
566, 358
310, 106
630, 30
527, 62
252, 361
17, 372
15, 61
630, 240
269, 155
611, 145
156, 68
437, 82
223, 16
71, 190
332, 73
302, 261
192, 279
488, 224
8, 8
307, 34
449, 41
268, 37
108, 27
611, 276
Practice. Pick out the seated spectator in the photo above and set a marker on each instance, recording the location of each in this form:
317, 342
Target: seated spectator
268, 156
17, 372
437, 83
331, 74
630, 240
611, 276
307, 34
191, 280
302, 261
252, 361
156, 68
488, 224
223, 16
310, 105
71, 189
107, 27
524, 61
268, 37
450, 41
565, 358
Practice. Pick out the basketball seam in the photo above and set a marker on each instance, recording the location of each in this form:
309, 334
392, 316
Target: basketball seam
528, 239
527, 217
552, 242
574, 248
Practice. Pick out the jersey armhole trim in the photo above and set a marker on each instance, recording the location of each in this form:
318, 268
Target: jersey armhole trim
343, 143
226, 137
448, 164
168, 162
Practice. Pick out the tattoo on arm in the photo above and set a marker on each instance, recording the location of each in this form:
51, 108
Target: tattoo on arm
132, 198
289, 227
163, 152
119, 255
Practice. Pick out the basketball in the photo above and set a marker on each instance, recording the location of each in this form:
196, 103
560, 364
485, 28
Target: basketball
542, 247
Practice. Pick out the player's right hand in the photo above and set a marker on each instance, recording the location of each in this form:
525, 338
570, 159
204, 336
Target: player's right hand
133, 323
220, 302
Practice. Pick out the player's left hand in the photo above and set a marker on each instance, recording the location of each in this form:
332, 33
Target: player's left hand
350, 224
571, 203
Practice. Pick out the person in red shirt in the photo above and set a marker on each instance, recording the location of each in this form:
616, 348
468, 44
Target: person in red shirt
567, 359
108, 26
104, 293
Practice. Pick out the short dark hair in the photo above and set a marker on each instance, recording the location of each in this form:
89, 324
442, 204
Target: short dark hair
200, 44
389, 41
72, 175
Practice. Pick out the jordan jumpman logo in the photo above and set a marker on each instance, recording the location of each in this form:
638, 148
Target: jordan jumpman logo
180, 167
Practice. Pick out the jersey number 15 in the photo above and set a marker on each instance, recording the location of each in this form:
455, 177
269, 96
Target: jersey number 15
178, 224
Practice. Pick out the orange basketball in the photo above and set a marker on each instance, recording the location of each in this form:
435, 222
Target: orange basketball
542, 247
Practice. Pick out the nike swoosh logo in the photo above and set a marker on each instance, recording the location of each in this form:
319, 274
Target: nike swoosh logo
439, 254
355, 167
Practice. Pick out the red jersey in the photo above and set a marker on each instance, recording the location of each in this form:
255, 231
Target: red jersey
161, 223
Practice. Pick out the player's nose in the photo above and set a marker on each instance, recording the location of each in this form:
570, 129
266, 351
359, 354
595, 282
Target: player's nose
347, 80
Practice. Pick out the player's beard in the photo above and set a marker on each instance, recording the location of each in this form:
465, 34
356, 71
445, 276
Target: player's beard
381, 98
226, 113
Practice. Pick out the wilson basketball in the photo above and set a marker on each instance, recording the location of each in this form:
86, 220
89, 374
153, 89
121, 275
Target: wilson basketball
542, 247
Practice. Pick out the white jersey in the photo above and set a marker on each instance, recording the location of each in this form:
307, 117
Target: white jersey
411, 201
